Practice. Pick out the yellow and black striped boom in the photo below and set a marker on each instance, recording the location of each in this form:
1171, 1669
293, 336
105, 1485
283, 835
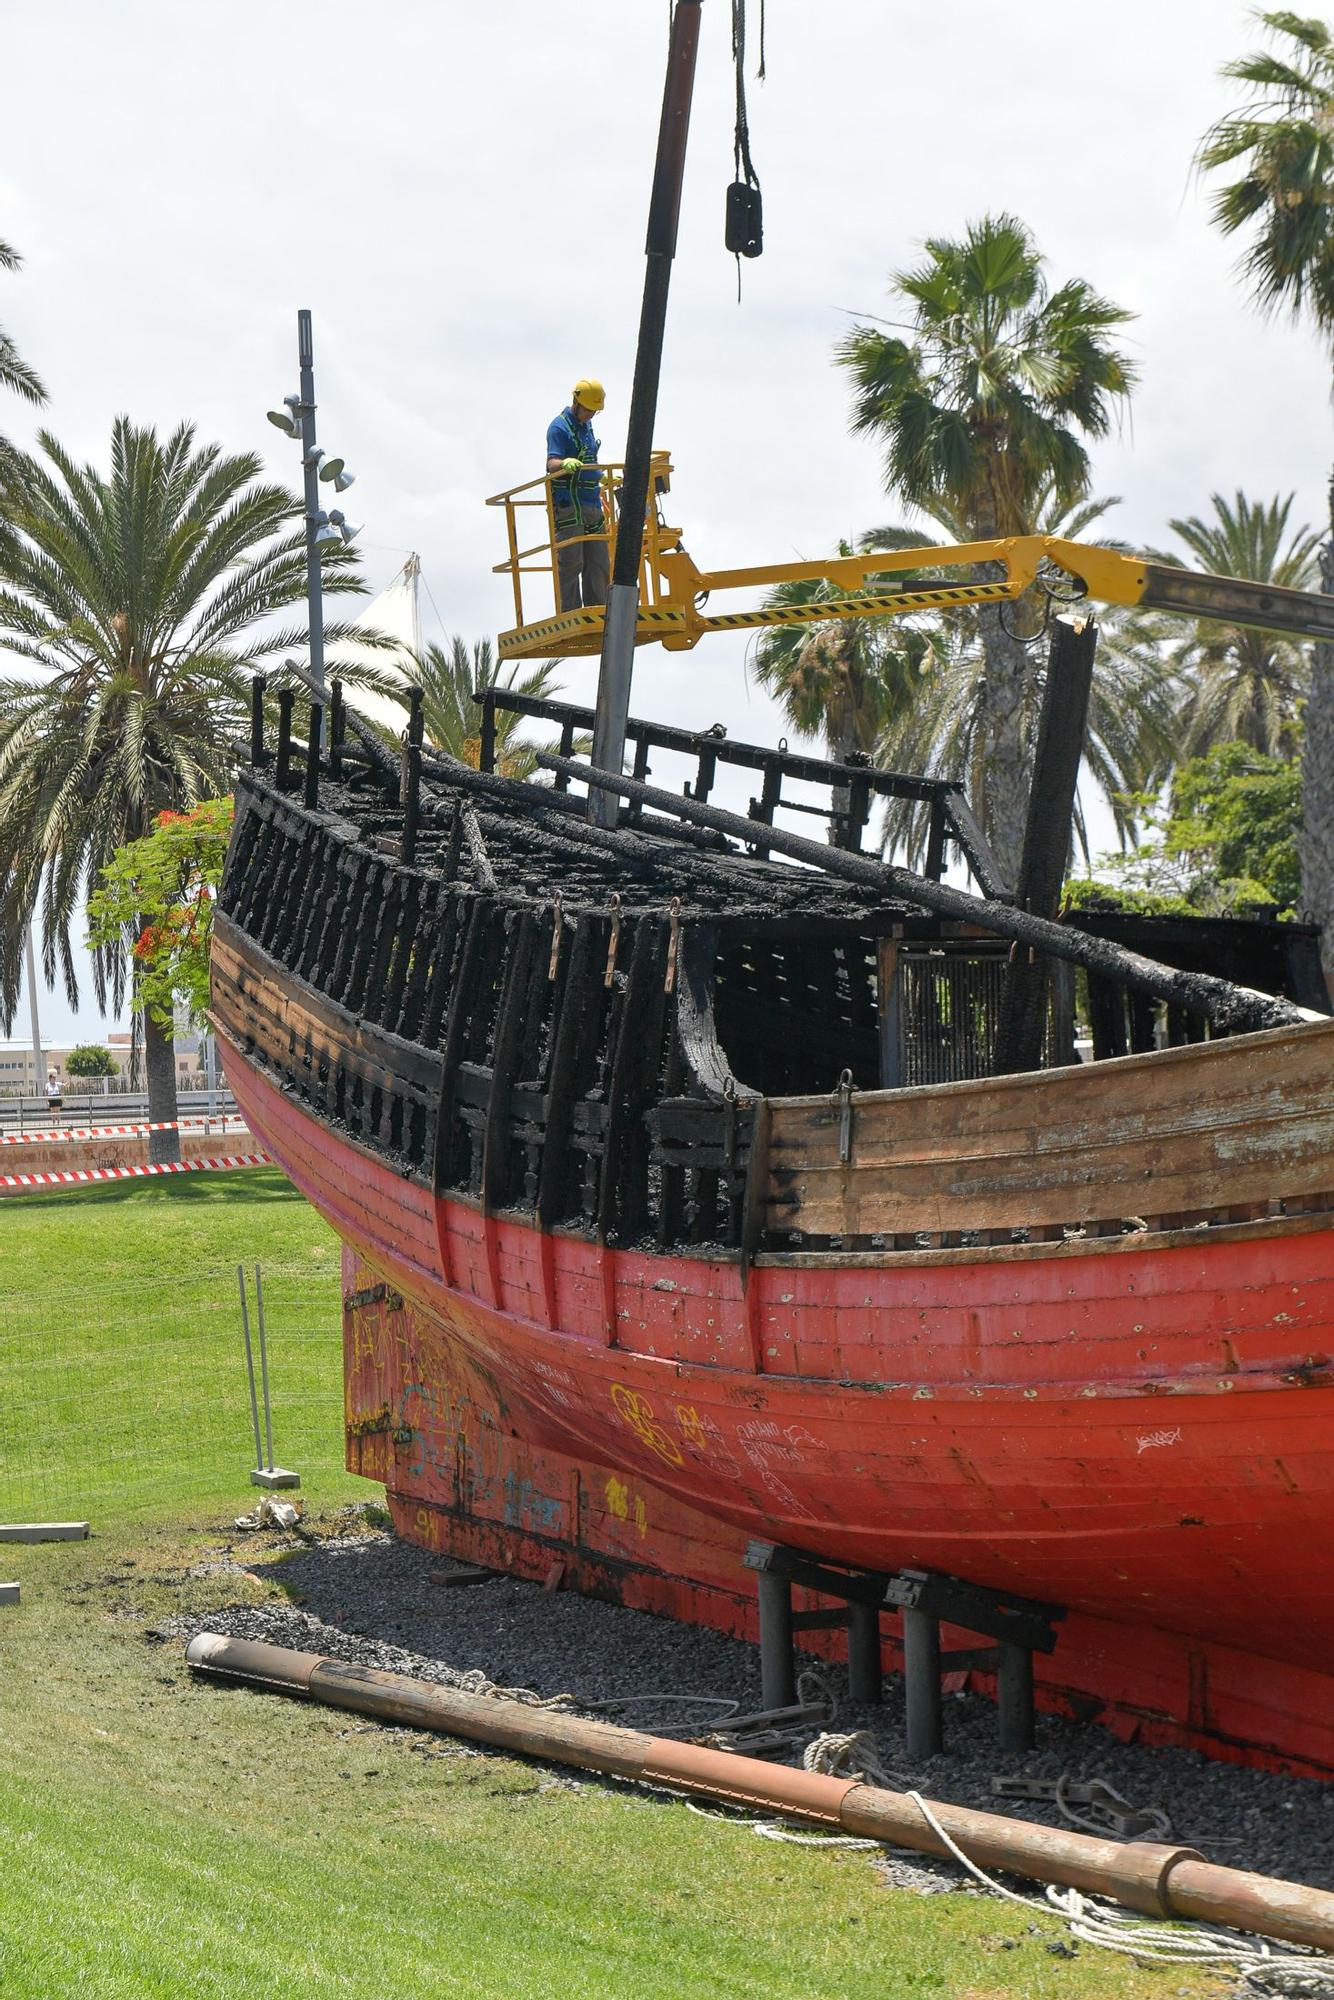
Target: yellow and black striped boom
677, 599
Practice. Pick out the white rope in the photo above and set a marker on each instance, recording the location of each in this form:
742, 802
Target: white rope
850, 1755
1269, 1971
476, 1682
1098, 1923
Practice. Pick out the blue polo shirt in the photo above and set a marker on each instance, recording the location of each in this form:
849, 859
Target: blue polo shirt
567, 439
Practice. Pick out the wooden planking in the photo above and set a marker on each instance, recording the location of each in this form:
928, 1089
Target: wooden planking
1198, 1128
250, 983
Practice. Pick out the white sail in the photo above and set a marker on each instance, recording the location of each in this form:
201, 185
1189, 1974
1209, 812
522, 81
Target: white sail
396, 613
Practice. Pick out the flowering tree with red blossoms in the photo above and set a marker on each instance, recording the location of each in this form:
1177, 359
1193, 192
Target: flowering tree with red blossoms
157, 897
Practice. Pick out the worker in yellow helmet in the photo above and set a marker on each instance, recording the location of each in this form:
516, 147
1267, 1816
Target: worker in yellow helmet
576, 499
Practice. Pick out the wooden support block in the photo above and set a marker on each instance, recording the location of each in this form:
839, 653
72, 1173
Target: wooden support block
465, 1573
45, 1531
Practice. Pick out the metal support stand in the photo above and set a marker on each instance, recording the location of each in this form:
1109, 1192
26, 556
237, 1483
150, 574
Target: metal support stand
1020, 1626
921, 1682
266, 1473
778, 1674
1014, 1685
864, 1666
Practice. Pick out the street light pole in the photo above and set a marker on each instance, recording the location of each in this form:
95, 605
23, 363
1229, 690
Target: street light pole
618, 634
311, 467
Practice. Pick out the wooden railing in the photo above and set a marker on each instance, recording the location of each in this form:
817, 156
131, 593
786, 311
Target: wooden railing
1223, 1130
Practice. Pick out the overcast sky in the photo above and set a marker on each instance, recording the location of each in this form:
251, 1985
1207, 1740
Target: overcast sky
458, 192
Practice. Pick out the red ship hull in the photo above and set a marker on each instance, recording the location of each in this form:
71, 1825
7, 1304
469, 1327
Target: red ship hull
1153, 1452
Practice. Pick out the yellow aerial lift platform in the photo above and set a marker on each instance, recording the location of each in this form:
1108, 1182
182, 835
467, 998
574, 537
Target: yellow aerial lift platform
674, 592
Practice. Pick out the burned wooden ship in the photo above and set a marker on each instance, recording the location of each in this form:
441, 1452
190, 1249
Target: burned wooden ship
686, 1200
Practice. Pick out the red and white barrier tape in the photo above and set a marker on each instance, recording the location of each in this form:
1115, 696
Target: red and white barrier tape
76, 1176
115, 1131
82, 1132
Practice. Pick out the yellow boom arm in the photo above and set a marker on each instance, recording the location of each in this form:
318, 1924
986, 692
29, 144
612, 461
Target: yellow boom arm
676, 596
1105, 575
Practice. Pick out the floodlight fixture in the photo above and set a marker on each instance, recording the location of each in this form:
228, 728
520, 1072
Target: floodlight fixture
326, 534
289, 426
336, 469
313, 458
346, 528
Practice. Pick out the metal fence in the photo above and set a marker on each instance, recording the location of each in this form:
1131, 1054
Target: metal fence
132, 1398
26, 1113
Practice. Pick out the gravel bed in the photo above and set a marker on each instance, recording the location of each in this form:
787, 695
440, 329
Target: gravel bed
364, 1597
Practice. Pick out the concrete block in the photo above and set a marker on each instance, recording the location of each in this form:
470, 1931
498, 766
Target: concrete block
9, 1593
44, 1531
272, 1477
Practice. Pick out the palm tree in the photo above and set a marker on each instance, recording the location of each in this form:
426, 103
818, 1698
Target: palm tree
941, 732
985, 406
1282, 143
1242, 684
132, 597
844, 681
15, 373
453, 720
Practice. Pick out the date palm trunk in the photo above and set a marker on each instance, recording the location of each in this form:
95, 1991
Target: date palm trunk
1006, 696
160, 1077
1316, 841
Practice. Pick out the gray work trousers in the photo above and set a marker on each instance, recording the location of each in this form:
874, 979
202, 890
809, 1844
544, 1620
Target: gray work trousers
584, 567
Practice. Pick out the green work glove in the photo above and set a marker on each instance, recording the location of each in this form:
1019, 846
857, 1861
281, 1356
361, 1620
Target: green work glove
571, 465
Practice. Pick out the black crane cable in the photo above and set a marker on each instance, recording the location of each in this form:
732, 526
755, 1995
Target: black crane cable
744, 211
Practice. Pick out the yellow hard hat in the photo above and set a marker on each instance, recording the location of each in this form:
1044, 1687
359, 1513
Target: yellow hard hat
590, 393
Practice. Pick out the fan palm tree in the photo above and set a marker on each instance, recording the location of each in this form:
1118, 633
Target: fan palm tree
133, 598
988, 403
1279, 146
15, 373
450, 676
941, 731
1241, 684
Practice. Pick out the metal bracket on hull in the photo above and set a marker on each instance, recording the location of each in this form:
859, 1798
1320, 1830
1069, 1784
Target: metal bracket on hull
1020, 1625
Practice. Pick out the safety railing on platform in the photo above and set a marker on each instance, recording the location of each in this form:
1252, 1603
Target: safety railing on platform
532, 508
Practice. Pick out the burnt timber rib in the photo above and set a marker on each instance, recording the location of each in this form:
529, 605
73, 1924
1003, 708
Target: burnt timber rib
711, 1220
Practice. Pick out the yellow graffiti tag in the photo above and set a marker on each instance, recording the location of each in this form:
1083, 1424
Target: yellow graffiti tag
623, 1504
691, 1426
636, 1411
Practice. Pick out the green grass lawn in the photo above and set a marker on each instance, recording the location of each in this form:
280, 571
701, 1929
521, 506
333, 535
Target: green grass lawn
122, 1369
161, 1837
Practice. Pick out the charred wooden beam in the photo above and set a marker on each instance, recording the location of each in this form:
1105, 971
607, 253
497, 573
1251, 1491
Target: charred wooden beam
1233, 1009
410, 780
337, 729
1051, 804
579, 1009
311, 791
505, 1056
481, 860
258, 685
282, 776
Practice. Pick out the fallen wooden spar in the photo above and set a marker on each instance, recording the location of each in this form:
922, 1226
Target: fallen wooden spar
1155, 1879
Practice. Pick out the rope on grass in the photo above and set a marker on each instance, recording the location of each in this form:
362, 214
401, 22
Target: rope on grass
1268, 1971
1267, 1968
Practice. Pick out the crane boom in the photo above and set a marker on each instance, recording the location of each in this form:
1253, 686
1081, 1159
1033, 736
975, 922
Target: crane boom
677, 598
